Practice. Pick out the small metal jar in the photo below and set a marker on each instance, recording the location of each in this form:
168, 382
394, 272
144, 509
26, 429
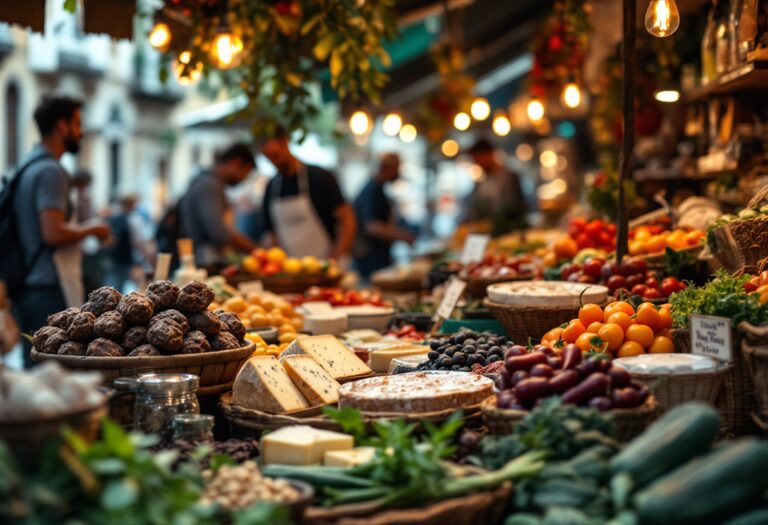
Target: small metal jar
193, 427
160, 398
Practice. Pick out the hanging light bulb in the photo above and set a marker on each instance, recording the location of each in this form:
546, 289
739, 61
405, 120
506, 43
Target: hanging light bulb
462, 121
226, 48
662, 18
408, 133
450, 148
667, 95
186, 72
501, 125
391, 124
535, 110
160, 36
359, 123
571, 97
480, 109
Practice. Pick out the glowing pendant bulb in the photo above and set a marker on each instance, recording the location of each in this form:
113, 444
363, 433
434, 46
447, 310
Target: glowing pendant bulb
662, 18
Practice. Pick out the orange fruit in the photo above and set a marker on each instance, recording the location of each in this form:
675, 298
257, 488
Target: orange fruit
665, 319
590, 313
661, 345
552, 335
618, 306
612, 334
648, 315
584, 342
574, 329
566, 248
629, 349
621, 319
595, 327
640, 334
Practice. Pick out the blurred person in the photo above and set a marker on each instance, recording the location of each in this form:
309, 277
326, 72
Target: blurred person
498, 198
124, 251
205, 213
46, 219
304, 211
94, 262
377, 229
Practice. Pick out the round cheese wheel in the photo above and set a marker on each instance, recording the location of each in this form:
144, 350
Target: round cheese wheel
546, 294
667, 364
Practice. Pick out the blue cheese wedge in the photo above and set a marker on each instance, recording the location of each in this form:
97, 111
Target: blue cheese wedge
330, 353
263, 384
317, 385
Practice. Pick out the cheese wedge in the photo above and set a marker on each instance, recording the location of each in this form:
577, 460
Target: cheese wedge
349, 458
380, 360
263, 384
317, 385
302, 445
330, 353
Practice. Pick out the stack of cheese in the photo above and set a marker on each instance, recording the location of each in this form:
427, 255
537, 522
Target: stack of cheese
306, 375
304, 445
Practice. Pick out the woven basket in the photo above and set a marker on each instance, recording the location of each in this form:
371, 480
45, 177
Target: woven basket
478, 288
216, 370
671, 390
682, 339
754, 348
630, 422
740, 245
522, 322
473, 509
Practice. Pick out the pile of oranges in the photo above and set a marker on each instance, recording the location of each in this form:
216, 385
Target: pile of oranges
618, 328
652, 240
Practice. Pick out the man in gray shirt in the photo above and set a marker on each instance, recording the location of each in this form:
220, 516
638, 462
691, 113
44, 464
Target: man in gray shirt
43, 213
205, 212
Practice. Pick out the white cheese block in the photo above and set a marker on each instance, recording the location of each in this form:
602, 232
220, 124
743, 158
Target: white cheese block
667, 364
379, 360
333, 323
302, 445
367, 316
315, 383
349, 458
263, 384
365, 335
553, 294
330, 353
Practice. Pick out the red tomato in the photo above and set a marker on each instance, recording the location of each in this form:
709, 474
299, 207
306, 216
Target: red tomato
594, 228
670, 285
593, 267
653, 293
640, 289
652, 282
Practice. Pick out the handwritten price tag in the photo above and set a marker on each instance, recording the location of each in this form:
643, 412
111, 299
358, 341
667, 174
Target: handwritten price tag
452, 295
712, 336
474, 248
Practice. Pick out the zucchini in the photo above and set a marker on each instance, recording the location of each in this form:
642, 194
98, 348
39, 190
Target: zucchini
319, 477
680, 435
564, 493
754, 517
709, 488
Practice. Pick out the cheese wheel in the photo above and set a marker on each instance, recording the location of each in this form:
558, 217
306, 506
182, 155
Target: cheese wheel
547, 294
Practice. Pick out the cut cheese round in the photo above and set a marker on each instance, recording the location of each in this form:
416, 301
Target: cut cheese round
380, 360
547, 294
366, 316
416, 392
667, 364
332, 323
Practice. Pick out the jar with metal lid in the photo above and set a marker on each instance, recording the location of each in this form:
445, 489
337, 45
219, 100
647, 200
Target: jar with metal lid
160, 398
193, 427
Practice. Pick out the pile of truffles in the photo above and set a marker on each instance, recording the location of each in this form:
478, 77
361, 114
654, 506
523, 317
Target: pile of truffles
163, 321
243, 485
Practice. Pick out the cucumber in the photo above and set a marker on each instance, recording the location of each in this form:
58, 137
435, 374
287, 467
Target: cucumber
681, 434
318, 477
709, 488
564, 493
754, 517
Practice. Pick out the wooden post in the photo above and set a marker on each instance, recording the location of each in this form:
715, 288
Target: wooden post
628, 56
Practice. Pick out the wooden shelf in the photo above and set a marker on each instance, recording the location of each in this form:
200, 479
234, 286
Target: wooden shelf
750, 76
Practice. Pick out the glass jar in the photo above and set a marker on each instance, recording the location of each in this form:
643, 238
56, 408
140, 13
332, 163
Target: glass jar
722, 53
160, 398
193, 427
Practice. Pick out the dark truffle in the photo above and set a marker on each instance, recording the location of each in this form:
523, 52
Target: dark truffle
194, 297
54, 342
134, 337
41, 336
195, 343
163, 294
232, 324
206, 322
136, 308
173, 316
81, 327
72, 348
166, 335
145, 351
224, 341
103, 348
110, 325
102, 300
64, 318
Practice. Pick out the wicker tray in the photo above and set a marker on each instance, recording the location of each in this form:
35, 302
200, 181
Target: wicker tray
217, 370
524, 322
256, 420
739, 246
473, 509
478, 288
630, 422
754, 349
671, 390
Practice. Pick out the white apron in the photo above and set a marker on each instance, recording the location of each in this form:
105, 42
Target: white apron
68, 261
300, 232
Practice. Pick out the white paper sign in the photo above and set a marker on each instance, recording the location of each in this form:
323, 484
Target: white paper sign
250, 287
452, 295
711, 336
474, 248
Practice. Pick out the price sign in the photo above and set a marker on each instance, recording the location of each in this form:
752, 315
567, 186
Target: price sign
452, 295
711, 336
250, 287
474, 248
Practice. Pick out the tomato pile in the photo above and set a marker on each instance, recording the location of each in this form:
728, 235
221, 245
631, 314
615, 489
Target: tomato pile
618, 329
406, 331
339, 297
593, 234
500, 265
631, 277
758, 285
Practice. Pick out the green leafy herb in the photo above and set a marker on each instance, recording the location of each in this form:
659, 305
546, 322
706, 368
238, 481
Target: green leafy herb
350, 420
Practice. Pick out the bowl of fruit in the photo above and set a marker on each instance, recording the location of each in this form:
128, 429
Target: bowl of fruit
497, 268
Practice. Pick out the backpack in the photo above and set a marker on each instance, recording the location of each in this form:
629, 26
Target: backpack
13, 265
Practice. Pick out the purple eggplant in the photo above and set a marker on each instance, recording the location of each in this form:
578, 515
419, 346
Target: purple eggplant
620, 378
555, 362
542, 370
532, 388
503, 381
588, 367
571, 356
642, 390
595, 385
563, 380
525, 362
625, 398
517, 377
605, 364
601, 403
516, 350
547, 351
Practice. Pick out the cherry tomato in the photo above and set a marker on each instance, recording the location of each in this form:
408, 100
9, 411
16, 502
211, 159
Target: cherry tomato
612, 334
590, 313
593, 267
670, 285
665, 319
653, 293
595, 327
661, 345
619, 306
639, 289
587, 342
648, 315
574, 329
630, 349
615, 282
621, 319
639, 333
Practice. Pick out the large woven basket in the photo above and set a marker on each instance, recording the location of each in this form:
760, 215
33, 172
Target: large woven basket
217, 370
473, 509
630, 422
682, 339
671, 390
522, 322
478, 288
754, 348
741, 245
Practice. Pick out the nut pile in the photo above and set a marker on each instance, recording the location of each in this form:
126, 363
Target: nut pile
237, 487
166, 320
